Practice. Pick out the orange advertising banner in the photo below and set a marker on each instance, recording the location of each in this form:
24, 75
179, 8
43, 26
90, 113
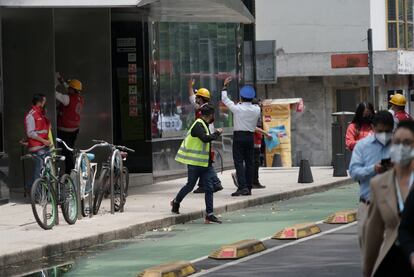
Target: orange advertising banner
349, 60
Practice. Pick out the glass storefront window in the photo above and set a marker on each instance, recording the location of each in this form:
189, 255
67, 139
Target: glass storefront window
205, 52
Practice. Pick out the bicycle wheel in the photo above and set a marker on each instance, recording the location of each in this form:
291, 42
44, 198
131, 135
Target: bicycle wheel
118, 198
125, 180
69, 205
86, 193
44, 204
103, 185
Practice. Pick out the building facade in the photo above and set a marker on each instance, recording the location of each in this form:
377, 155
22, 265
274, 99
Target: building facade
321, 57
134, 59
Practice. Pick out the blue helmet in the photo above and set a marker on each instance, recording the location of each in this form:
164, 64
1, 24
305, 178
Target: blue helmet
247, 92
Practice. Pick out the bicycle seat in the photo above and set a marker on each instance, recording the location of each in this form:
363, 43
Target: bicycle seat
90, 156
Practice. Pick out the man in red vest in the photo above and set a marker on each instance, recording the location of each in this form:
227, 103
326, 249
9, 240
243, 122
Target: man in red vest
37, 127
69, 117
397, 110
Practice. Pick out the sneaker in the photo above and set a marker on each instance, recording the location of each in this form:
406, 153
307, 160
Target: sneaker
218, 186
258, 186
234, 176
243, 192
211, 219
175, 207
200, 189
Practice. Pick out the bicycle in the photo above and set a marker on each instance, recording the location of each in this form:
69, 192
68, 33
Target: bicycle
84, 175
110, 174
49, 191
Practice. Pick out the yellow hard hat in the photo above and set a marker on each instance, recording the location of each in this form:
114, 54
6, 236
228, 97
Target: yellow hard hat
398, 99
203, 92
75, 84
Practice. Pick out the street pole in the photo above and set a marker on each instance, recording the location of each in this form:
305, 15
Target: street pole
371, 69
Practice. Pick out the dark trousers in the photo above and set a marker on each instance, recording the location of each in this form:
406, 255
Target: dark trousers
69, 138
243, 156
256, 166
206, 175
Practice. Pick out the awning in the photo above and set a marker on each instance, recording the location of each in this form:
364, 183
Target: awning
159, 10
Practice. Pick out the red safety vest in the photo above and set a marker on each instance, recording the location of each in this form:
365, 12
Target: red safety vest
42, 126
402, 116
257, 140
69, 116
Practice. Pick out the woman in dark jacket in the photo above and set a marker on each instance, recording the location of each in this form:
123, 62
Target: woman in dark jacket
406, 230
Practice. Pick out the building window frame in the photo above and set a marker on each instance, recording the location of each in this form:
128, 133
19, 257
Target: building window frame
400, 20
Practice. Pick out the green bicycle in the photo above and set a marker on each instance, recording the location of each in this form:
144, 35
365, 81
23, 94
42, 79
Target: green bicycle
49, 191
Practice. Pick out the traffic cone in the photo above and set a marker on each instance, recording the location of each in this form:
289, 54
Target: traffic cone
339, 166
277, 160
305, 172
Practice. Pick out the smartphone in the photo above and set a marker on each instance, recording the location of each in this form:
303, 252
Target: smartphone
386, 163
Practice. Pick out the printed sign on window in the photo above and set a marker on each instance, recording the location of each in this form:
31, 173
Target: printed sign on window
132, 57
132, 90
133, 111
132, 79
133, 100
132, 68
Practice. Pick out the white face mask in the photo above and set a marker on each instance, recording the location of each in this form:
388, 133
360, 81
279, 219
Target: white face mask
383, 137
401, 154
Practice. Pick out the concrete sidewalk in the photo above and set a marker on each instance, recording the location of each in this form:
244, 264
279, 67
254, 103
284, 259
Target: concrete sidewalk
147, 208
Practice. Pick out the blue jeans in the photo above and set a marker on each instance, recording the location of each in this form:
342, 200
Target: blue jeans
38, 163
206, 175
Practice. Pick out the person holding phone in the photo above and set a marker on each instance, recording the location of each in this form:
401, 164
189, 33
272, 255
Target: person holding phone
369, 158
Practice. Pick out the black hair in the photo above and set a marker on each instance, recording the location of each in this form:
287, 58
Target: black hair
383, 117
359, 113
256, 101
406, 124
246, 99
207, 109
38, 97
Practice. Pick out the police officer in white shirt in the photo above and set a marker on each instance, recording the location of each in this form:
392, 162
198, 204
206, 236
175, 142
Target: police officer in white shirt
245, 117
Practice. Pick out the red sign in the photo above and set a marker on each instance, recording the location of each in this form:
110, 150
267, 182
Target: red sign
349, 60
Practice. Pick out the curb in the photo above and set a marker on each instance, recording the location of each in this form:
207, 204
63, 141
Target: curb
37, 256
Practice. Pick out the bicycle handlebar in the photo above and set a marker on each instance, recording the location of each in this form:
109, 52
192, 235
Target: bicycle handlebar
100, 144
120, 147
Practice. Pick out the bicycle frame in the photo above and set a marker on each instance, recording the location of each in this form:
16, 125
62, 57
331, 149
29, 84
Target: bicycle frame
81, 155
115, 155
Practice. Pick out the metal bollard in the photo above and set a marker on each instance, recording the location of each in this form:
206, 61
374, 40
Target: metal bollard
305, 172
339, 166
277, 160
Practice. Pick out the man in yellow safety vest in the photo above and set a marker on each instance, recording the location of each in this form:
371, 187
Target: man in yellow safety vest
195, 152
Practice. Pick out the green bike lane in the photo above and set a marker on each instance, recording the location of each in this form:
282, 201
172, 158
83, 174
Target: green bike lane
195, 239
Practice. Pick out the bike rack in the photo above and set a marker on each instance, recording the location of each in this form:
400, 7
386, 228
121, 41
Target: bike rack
115, 155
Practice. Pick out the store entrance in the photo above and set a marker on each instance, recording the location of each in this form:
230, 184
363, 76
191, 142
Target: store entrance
129, 81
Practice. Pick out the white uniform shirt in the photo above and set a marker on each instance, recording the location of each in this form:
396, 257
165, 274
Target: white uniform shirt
245, 114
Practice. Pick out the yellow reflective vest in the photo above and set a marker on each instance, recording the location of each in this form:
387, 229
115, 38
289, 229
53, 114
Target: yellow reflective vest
194, 151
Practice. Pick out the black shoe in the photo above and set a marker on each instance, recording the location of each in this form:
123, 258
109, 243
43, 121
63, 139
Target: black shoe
234, 176
218, 186
200, 189
212, 219
258, 186
243, 192
175, 207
